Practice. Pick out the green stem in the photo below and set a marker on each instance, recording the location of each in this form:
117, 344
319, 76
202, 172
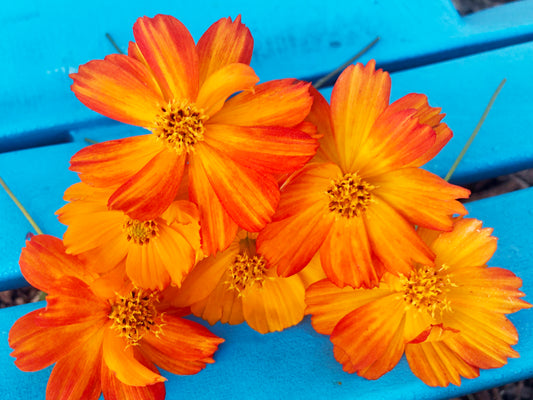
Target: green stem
110, 38
21, 207
322, 81
476, 130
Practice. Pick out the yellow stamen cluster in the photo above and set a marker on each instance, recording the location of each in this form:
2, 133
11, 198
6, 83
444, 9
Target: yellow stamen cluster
140, 232
349, 196
180, 125
426, 289
247, 271
135, 314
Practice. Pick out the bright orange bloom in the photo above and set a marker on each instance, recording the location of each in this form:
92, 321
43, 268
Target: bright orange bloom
448, 317
236, 285
102, 337
358, 200
179, 91
156, 252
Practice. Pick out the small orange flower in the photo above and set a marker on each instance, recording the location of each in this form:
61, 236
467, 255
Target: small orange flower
179, 91
236, 285
358, 200
448, 317
103, 335
156, 252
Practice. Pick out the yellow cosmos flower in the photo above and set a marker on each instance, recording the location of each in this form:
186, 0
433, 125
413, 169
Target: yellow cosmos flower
237, 285
103, 335
156, 252
358, 201
448, 316
180, 91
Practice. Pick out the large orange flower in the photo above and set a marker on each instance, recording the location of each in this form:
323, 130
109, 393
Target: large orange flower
102, 334
236, 285
179, 91
358, 200
156, 252
448, 317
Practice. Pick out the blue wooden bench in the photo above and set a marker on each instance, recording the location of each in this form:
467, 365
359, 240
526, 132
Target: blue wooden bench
457, 61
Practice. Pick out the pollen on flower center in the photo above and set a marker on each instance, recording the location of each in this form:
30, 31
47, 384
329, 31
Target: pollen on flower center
246, 271
349, 196
140, 232
426, 289
135, 314
180, 125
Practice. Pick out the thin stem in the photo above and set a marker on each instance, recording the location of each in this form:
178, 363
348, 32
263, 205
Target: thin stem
21, 207
110, 38
91, 141
322, 81
476, 130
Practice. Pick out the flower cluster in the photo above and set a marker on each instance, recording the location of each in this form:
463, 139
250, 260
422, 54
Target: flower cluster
256, 202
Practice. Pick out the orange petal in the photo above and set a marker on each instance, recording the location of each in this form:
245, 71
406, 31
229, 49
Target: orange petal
151, 190
122, 359
328, 304
437, 365
467, 245
114, 162
276, 305
284, 102
119, 87
249, 197
396, 140
225, 42
269, 150
169, 50
223, 83
366, 334
145, 268
115, 389
359, 96
77, 376
320, 116
394, 240
217, 227
346, 254
302, 221
43, 262
426, 115
422, 198
184, 347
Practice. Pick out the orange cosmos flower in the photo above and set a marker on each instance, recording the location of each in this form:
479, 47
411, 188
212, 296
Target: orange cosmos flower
179, 91
236, 285
101, 337
449, 316
358, 201
156, 252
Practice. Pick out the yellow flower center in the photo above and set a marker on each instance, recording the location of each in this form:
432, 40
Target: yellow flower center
180, 125
426, 289
246, 271
349, 196
135, 314
140, 232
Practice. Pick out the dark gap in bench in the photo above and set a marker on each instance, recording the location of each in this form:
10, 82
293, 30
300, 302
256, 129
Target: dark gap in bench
38, 138
465, 7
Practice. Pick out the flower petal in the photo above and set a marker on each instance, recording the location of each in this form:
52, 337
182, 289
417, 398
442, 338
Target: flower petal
184, 347
328, 304
359, 96
249, 197
320, 116
113, 162
269, 150
150, 191
77, 376
422, 198
119, 87
170, 52
284, 102
223, 83
437, 365
145, 268
124, 361
225, 42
